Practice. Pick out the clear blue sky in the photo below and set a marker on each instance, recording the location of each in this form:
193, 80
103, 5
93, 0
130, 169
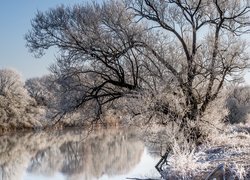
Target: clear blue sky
15, 16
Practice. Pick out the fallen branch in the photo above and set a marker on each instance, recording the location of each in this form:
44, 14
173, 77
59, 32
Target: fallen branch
162, 161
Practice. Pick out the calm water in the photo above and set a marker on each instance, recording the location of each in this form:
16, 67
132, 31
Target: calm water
77, 154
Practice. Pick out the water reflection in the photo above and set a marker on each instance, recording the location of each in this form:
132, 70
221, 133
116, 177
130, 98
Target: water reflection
73, 154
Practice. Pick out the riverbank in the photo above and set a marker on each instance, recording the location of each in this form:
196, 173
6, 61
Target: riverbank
230, 148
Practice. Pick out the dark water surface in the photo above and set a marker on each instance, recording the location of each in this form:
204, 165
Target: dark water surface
76, 154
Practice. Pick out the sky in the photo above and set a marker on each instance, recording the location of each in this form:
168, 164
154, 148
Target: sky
15, 17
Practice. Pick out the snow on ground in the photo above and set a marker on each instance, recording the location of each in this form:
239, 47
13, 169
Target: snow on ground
231, 148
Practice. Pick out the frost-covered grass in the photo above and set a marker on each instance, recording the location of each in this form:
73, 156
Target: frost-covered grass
230, 147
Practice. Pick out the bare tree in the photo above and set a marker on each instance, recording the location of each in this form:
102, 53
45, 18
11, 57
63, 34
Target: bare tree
180, 49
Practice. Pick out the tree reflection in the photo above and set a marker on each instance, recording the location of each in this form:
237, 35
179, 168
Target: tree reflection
157, 141
45, 163
109, 152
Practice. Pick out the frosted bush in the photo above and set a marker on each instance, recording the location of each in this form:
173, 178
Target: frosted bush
238, 104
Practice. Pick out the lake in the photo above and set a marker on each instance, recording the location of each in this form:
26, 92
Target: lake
76, 154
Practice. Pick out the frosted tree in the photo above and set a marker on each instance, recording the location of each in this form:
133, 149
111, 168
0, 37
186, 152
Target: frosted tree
99, 58
205, 45
11, 84
42, 89
180, 51
16, 107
